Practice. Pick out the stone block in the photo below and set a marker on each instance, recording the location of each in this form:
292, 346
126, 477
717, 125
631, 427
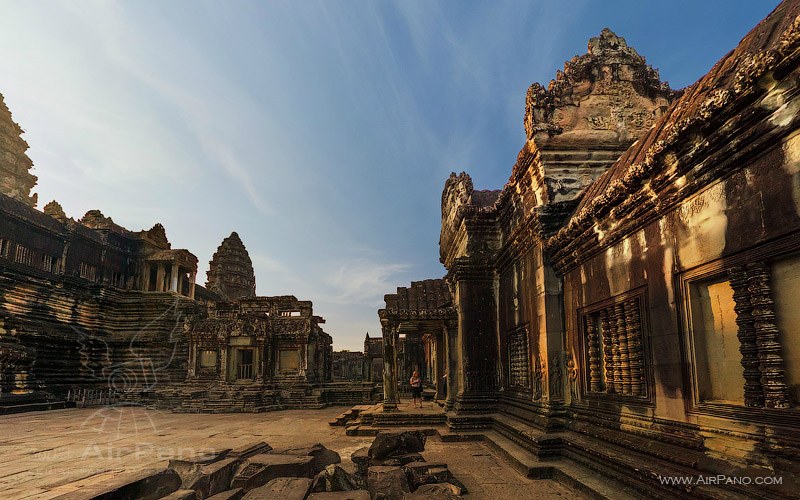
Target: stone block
234, 494
334, 478
399, 459
215, 478
389, 481
260, 469
249, 450
181, 495
360, 457
188, 468
148, 484
388, 444
438, 490
443, 475
282, 488
323, 457
340, 495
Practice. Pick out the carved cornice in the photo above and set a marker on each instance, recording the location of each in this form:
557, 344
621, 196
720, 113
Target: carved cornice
395, 315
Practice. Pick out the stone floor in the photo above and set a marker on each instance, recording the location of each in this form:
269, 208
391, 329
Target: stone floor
45, 454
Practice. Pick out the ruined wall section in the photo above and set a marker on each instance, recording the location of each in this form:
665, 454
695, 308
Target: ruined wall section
63, 334
71, 315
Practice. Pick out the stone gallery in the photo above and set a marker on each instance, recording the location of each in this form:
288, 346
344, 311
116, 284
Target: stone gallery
622, 313
90, 305
628, 301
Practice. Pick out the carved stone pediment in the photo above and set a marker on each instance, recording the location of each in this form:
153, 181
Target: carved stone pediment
608, 94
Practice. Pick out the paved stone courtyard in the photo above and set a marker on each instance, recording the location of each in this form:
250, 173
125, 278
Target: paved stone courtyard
46, 454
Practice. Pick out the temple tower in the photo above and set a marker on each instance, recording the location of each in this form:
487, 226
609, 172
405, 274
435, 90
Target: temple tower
16, 180
230, 272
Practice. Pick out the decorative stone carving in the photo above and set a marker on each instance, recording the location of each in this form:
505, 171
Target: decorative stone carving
538, 378
556, 377
519, 370
572, 374
610, 89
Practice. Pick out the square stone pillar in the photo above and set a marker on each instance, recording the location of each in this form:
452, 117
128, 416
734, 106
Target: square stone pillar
192, 278
146, 277
476, 347
390, 340
450, 334
192, 361
160, 272
223, 362
173, 281
440, 363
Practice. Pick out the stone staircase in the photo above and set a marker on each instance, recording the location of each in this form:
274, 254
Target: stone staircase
302, 398
348, 394
602, 461
348, 416
230, 398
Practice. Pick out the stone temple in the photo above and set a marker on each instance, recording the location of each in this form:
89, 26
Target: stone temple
619, 321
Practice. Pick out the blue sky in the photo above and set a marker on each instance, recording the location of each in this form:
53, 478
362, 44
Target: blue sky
321, 131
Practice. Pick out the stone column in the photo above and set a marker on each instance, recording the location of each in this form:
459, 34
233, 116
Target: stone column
173, 282
192, 360
192, 278
450, 333
440, 364
269, 360
476, 347
390, 339
223, 362
259, 360
146, 278
160, 272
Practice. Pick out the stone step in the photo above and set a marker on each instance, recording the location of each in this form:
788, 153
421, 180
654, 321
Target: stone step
566, 472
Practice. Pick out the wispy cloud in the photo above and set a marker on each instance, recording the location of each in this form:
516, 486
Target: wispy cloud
364, 282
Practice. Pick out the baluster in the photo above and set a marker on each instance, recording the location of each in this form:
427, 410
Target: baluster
608, 351
635, 350
767, 337
595, 381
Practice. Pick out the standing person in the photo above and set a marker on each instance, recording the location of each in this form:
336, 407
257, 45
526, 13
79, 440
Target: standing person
416, 388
